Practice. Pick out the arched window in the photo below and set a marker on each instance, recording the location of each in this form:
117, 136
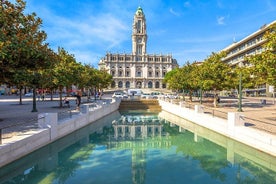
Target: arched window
138, 84
149, 84
157, 74
113, 84
127, 84
120, 84
157, 84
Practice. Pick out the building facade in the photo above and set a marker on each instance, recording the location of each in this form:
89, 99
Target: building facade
250, 45
138, 69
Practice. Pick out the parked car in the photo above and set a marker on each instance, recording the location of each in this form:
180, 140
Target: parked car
209, 95
28, 94
232, 95
73, 94
157, 95
119, 95
134, 92
172, 96
146, 96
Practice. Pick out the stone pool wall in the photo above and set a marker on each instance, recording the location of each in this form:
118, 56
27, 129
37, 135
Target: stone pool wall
52, 129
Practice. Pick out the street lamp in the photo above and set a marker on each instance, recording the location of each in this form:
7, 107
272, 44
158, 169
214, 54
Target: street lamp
240, 90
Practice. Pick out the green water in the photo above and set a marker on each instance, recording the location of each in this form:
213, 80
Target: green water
142, 148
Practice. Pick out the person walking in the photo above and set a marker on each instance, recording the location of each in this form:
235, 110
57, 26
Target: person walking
78, 100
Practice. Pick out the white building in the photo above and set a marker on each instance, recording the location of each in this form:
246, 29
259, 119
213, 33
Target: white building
250, 45
138, 69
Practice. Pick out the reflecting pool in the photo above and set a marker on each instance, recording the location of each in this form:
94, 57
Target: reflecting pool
142, 147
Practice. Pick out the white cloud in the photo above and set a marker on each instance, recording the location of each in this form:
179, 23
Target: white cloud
81, 36
187, 4
174, 12
220, 20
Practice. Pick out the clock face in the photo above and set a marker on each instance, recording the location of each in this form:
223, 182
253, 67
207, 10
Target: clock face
139, 40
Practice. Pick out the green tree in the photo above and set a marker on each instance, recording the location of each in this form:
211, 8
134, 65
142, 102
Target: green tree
22, 41
264, 64
20, 79
105, 79
65, 72
214, 72
172, 79
99, 80
22, 45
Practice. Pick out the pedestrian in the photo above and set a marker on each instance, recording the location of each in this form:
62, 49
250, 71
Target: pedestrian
67, 102
43, 96
78, 100
216, 100
38, 96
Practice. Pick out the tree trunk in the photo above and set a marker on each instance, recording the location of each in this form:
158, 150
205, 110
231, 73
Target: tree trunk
190, 95
60, 96
20, 96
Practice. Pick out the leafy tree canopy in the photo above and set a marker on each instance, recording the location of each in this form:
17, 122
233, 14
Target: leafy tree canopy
264, 64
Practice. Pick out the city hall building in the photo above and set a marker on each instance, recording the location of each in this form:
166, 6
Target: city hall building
138, 69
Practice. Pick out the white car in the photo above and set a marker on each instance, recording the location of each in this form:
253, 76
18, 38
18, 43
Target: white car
28, 94
119, 95
157, 95
146, 96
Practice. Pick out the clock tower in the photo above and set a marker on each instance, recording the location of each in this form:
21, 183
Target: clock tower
138, 69
139, 33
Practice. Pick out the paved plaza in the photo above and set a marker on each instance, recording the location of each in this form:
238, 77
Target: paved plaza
257, 115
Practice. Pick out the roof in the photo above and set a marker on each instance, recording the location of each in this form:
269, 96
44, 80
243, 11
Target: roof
139, 11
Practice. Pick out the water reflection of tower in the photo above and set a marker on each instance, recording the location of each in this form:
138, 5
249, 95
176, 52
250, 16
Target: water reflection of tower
138, 128
138, 165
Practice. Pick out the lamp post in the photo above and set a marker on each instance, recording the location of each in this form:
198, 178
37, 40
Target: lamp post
200, 95
35, 82
34, 100
240, 93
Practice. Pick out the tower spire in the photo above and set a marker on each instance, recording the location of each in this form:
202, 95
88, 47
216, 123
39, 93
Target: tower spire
139, 33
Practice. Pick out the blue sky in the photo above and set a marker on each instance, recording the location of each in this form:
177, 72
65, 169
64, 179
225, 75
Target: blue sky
190, 30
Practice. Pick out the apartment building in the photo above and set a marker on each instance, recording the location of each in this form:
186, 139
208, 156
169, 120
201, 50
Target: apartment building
250, 45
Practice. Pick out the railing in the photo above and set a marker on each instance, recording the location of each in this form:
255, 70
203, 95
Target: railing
261, 125
215, 112
32, 124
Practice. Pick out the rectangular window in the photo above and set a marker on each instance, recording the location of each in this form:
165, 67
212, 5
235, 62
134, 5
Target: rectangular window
157, 59
139, 26
127, 58
139, 50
